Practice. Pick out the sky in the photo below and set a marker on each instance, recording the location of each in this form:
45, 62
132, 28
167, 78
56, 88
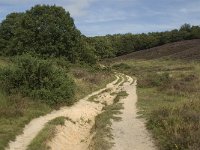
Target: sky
102, 17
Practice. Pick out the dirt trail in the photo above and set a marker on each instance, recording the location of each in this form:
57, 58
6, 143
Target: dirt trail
130, 133
77, 136
80, 112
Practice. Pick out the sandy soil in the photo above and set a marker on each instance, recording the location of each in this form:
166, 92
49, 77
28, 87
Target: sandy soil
80, 112
130, 133
77, 136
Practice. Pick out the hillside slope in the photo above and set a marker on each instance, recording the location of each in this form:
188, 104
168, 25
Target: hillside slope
179, 50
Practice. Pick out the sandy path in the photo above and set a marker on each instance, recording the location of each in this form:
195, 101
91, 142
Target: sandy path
130, 133
79, 112
77, 136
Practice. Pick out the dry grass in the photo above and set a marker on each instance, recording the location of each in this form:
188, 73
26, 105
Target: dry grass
89, 80
15, 112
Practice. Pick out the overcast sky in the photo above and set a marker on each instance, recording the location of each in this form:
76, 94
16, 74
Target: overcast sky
101, 17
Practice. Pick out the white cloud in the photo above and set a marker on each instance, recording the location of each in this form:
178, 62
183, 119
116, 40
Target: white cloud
126, 28
78, 7
190, 10
106, 15
75, 7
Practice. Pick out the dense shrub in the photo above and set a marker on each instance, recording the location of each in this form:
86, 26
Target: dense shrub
159, 79
39, 79
154, 80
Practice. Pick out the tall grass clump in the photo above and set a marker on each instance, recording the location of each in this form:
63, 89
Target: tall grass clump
177, 127
39, 79
154, 80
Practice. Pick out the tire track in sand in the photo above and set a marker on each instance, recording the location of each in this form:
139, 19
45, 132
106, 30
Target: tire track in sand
130, 133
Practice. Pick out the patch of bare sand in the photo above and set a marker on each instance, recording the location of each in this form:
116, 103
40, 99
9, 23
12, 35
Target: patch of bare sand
130, 133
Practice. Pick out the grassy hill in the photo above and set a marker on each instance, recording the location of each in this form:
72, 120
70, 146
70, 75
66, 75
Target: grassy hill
186, 50
168, 91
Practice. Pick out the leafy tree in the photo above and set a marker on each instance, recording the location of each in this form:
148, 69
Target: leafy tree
185, 27
102, 47
8, 30
45, 30
195, 31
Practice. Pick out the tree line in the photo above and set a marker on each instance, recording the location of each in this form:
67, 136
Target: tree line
120, 44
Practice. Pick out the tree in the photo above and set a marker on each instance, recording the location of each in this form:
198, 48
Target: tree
195, 31
45, 30
102, 47
8, 30
185, 27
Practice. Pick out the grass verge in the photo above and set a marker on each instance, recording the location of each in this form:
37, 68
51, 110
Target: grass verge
40, 141
118, 81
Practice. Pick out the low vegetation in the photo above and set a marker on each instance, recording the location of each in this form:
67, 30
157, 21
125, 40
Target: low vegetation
15, 112
102, 127
119, 95
169, 99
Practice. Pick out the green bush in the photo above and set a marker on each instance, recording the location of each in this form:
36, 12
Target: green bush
154, 80
159, 79
39, 79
